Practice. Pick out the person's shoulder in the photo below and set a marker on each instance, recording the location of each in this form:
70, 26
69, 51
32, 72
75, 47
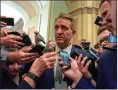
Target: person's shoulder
109, 51
108, 55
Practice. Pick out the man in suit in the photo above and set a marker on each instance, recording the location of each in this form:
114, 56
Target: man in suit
64, 31
107, 69
10, 77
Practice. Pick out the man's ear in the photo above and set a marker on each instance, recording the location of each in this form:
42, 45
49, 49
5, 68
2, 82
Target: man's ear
74, 32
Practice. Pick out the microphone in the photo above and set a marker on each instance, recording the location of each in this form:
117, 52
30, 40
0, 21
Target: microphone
39, 37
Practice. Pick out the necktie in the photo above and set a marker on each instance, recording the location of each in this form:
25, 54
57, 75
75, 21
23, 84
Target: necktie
59, 83
58, 76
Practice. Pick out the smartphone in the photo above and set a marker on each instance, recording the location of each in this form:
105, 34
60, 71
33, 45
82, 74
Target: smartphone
14, 33
25, 68
37, 48
74, 54
64, 57
98, 20
112, 39
9, 21
93, 54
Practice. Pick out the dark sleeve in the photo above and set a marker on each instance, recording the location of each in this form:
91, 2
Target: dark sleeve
24, 85
100, 77
84, 84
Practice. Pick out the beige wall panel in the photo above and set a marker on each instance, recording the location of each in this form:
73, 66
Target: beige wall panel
78, 28
90, 27
85, 26
31, 33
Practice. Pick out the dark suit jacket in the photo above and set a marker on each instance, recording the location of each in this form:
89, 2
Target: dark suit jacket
6, 82
107, 70
47, 79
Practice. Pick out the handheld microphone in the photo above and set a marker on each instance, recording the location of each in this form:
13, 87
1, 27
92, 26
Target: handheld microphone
39, 37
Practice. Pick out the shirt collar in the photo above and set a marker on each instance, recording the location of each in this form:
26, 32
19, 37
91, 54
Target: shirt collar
67, 49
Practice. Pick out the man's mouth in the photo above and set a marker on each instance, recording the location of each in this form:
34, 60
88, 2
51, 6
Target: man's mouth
59, 38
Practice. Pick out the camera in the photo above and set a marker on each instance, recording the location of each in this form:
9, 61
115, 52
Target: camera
85, 45
9, 21
26, 39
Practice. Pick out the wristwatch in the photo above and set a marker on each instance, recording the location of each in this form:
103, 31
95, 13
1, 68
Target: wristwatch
33, 76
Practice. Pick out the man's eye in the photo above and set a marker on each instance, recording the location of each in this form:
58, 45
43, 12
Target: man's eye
104, 14
101, 41
64, 28
56, 28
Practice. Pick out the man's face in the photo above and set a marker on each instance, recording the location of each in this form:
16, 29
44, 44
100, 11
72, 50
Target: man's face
51, 44
111, 18
13, 69
63, 32
103, 37
104, 9
105, 12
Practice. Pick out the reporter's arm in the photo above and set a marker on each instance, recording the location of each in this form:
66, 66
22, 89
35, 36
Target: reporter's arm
27, 83
93, 82
31, 83
40, 65
77, 79
84, 84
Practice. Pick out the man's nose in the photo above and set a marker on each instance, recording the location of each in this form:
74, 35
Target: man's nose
104, 43
16, 66
59, 30
103, 23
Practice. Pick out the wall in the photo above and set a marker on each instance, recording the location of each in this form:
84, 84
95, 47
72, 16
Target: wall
84, 13
56, 7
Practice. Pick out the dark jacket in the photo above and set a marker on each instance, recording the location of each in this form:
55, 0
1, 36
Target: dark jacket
6, 81
107, 70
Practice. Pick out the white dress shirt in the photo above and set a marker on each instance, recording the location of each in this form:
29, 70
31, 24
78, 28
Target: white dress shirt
63, 84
